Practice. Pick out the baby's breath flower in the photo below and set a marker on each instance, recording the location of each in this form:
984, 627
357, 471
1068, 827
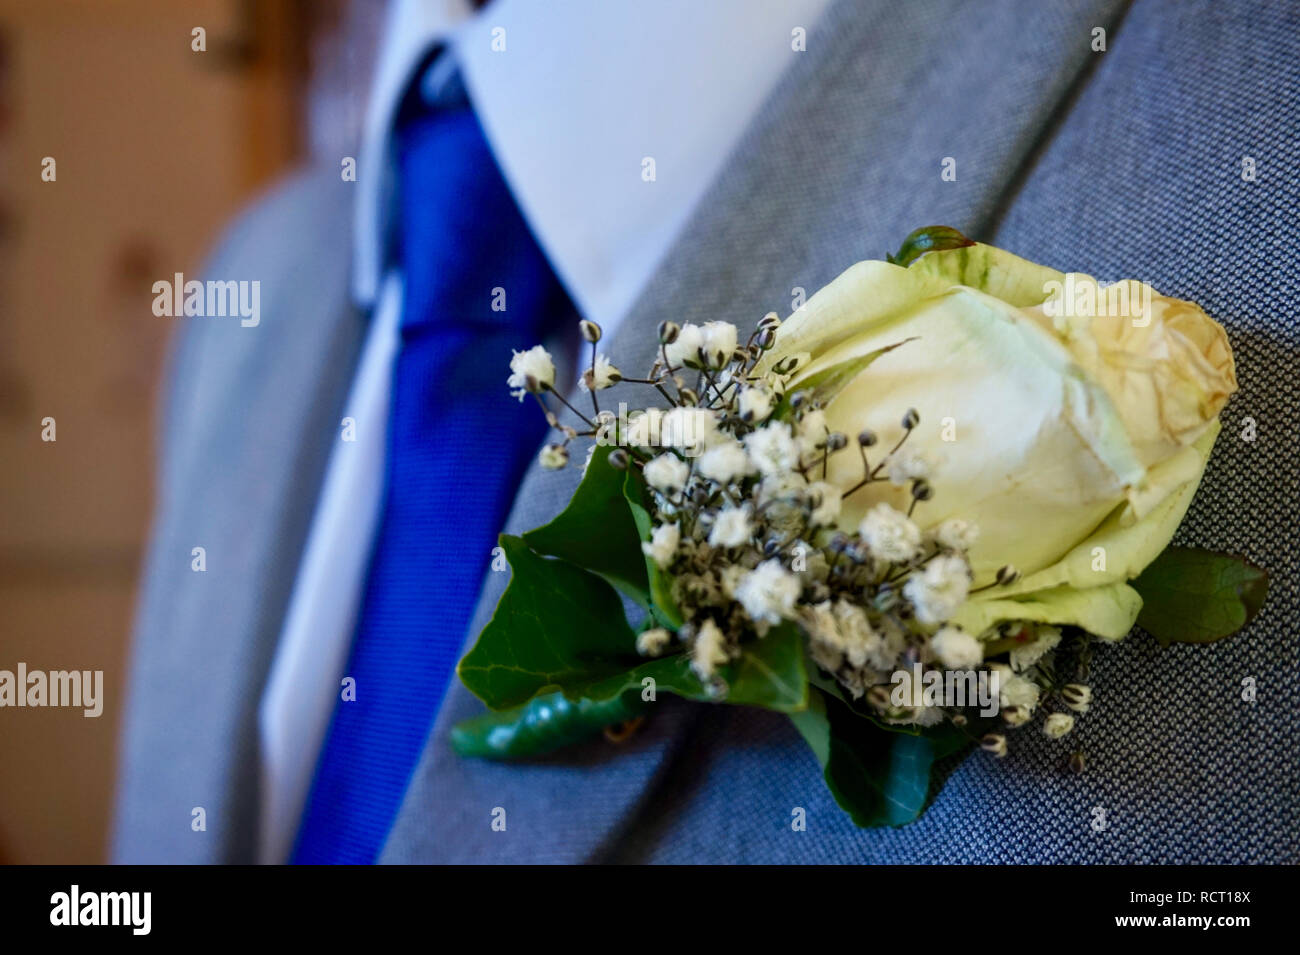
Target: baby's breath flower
709, 650
905, 466
643, 430
1025, 656
890, 534
662, 546
652, 642
719, 343
1058, 724
724, 462
554, 456
667, 473
729, 579
956, 649
685, 348
773, 450
731, 528
812, 432
531, 370
1016, 690
956, 534
755, 403
768, 592
688, 428
827, 500
603, 375
937, 591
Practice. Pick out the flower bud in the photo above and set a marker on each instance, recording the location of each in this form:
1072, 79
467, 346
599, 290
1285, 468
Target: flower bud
911, 419
770, 322
668, 332
921, 489
994, 743
867, 438
1007, 575
553, 457
590, 331
618, 459
836, 440
1078, 762
1015, 716
1058, 724
1077, 697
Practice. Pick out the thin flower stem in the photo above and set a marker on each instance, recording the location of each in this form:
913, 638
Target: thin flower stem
564, 401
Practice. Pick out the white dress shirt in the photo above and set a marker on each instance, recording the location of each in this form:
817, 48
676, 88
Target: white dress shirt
576, 99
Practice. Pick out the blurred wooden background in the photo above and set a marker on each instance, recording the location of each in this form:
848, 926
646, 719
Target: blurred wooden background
157, 146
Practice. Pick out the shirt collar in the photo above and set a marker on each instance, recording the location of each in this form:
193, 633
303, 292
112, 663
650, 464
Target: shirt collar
575, 99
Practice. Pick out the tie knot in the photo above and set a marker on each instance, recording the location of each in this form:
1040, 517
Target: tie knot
468, 256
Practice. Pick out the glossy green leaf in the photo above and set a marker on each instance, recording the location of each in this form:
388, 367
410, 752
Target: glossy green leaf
879, 777
597, 531
931, 238
556, 626
1191, 595
662, 605
543, 725
769, 673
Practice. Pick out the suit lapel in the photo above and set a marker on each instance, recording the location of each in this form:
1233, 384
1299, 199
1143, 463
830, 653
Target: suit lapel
844, 160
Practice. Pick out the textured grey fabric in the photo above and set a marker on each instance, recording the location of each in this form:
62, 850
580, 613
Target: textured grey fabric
1141, 176
251, 415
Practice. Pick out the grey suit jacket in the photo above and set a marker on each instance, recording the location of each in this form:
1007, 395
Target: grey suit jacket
1122, 163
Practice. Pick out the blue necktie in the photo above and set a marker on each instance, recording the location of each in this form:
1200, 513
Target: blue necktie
458, 446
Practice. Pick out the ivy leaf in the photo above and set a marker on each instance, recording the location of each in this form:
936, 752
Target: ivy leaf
931, 238
597, 531
1190, 595
822, 387
770, 672
557, 626
662, 605
879, 777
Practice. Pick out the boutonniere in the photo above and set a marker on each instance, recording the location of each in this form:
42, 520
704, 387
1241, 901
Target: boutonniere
907, 516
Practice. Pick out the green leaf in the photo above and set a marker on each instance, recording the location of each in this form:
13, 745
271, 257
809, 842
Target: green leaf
770, 672
822, 387
1190, 595
540, 726
931, 238
597, 531
556, 626
662, 605
881, 778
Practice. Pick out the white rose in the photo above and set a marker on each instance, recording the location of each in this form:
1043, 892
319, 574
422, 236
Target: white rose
1067, 427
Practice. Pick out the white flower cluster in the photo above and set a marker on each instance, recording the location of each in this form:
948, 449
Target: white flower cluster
747, 532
